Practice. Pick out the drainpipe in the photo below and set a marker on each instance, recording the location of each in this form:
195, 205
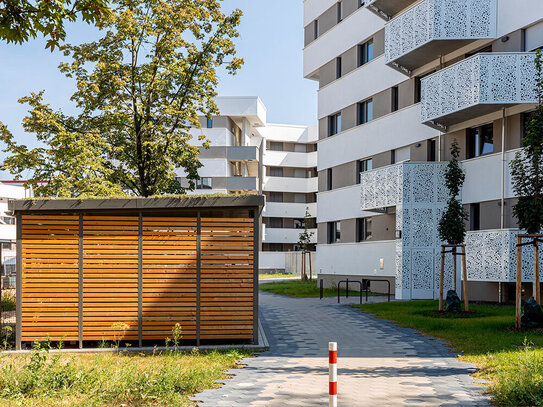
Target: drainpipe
502, 212
439, 146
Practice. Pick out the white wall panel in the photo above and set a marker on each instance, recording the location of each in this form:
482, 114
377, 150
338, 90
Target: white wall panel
395, 130
287, 133
516, 14
271, 260
273, 235
357, 85
288, 210
343, 203
357, 27
357, 258
300, 185
290, 159
314, 8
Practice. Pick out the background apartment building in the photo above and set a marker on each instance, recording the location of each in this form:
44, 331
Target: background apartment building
399, 81
248, 155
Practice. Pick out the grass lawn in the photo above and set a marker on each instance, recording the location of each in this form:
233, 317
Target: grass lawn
304, 289
111, 379
510, 360
277, 275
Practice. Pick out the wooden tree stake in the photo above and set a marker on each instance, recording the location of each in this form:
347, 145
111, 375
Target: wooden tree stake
454, 259
518, 298
441, 276
464, 277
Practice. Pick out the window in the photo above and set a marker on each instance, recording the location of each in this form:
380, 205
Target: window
480, 140
363, 166
300, 198
275, 223
475, 216
276, 197
316, 29
298, 224
334, 232
338, 67
393, 157
209, 123
394, 98
275, 247
432, 150
365, 112
204, 183
363, 229
329, 179
418, 94
334, 124
276, 172
365, 52
361, 3
339, 12
8, 220
276, 146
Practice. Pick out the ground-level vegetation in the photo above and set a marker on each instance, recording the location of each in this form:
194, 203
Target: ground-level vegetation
305, 289
511, 361
167, 378
8, 300
277, 275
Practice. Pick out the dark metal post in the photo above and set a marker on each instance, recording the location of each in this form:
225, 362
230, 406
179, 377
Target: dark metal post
388, 290
198, 264
321, 289
256, 244
361, 293
80, 283
140, 280
19, 284
338, 285
347, 288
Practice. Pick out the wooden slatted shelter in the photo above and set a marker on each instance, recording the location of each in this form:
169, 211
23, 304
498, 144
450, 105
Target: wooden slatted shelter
84, 267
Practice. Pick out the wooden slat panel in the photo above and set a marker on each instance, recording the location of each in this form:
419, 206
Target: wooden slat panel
49, 277
169, 277
227, 279
110, 277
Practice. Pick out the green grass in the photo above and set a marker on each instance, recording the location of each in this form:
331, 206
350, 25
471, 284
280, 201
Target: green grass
304, 289
159, 379
512, 361
8, 300
277, 275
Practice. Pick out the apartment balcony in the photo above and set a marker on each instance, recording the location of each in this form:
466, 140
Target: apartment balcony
289, 236
288, 210
240, 184
432, 28
476, 86
290, 159
387, 9
242, 153
491, 256
291, 184
403, 183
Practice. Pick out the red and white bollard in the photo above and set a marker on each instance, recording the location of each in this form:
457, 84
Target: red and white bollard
332, 359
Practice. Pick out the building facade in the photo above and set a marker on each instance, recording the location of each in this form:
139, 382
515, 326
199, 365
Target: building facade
248, 155
399, 81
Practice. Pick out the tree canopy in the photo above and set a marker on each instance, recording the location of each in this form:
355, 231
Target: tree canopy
527, 167
140, 89
21, 20
451, 226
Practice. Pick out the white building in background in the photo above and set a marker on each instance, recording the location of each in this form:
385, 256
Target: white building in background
399, 81
248, 155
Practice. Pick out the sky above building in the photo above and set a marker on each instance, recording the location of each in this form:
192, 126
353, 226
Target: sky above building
271, 42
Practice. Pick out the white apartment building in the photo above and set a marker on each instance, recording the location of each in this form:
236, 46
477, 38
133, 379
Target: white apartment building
248, 155
399, 81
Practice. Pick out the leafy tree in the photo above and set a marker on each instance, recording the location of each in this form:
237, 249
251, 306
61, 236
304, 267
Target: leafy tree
527, 167
21, 20
305, 237
451, 226
140, 88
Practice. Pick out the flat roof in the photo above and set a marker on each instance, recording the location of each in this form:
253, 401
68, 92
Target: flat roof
167, 202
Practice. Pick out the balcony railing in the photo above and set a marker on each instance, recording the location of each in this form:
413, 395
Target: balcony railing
386, 9
408, 182
488, 81
435, 27
491, 256
241, 183
242, 153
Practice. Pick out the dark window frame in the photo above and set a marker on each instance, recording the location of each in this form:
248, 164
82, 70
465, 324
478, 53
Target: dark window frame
363, 166
334, 124
366, 52
210, 123
204, 183
334, 232
338, 67
339, 12
477, 140
394, 96
364, 229
315, 29
364, 112
475, 216
329, 179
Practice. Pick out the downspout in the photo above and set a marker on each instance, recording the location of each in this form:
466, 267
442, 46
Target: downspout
502, 208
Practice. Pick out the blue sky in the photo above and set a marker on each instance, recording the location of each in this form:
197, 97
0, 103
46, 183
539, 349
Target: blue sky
271, 42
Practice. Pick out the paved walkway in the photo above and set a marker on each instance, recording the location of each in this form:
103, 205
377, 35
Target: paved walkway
378, 364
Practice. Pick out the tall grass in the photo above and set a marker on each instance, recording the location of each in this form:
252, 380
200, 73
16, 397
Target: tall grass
159, 379
8, 300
